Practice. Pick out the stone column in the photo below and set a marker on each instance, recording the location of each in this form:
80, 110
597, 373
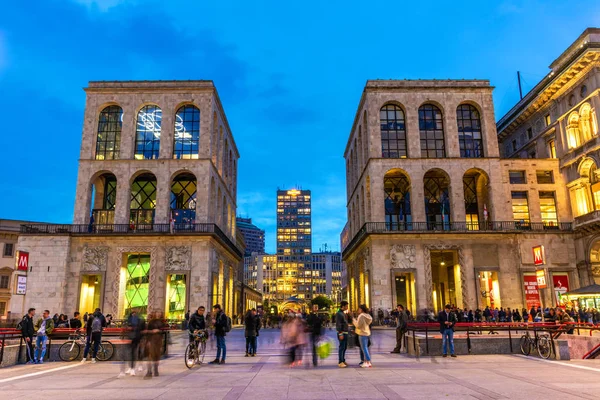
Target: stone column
167, 132
457, 197
417, 200
128, 132
413, 136
451, 131
162, 213
123, 204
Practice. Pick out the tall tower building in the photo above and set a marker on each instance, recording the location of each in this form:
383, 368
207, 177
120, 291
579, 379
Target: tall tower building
254, 237
294, 241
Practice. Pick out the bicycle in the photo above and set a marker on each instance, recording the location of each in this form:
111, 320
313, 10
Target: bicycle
542, 343
70, 349
196, 350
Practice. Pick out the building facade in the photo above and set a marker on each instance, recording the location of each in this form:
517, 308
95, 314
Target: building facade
9, 235
558, 120
254, 237
435, 216
327, 275
154, 224
294, 244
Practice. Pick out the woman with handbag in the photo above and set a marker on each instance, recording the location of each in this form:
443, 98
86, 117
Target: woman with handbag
363, 330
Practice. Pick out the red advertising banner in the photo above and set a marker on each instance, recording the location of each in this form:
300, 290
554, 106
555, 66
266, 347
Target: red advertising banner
22, 260
561, 286
532, 295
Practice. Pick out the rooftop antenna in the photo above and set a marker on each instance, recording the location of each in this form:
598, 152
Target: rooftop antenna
519, 80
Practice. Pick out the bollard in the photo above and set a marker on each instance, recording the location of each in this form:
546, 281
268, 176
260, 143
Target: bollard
510, 340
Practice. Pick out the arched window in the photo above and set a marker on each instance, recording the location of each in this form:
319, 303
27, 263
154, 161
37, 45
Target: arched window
147, 137
397, 201
585, 113
573, 133
108, 140
437, 199
431, 130
187, 133
183, 199
393, 132
143, 201
104, 199
475, 185
469, 131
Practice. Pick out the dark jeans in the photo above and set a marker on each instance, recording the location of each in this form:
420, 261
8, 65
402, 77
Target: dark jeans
96, 338
135, 344
29, 348
314, 339
221, 348
251, 345
295, 353
400, 332
342, 348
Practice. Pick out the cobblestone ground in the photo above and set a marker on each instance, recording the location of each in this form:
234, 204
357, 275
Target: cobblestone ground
267, 377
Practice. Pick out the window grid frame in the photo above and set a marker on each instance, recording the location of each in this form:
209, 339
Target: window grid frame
141, 150
428, 114
181, 150
399, 129
106, 119
474, 119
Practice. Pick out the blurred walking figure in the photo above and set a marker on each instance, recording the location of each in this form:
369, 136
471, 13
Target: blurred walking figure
292, 335
341, 326
43, 327
135, 325
401, 325
315, 328
154, 343
250, 331
363, 330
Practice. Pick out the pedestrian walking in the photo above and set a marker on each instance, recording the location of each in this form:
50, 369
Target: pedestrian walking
93, 330
154, 343
135, 326
222, 325
362, 328
401, 327
315, 326
341, 326
43, 327
250, 330
447, 320
27, 331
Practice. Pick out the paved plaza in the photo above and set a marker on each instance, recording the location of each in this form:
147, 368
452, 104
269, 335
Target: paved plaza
267, 377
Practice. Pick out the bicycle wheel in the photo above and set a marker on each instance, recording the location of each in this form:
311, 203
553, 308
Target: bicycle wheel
69, 351
202, 352
191, 355
544, 347
525, 345
105, 351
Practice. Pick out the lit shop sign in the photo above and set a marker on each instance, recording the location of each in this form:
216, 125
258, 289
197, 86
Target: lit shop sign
22, 261
21, 284
540, 276
293, 192
539, 255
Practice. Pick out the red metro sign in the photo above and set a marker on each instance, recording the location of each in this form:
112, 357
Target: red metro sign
539, 256
22, 261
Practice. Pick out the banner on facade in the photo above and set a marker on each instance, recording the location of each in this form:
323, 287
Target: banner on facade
561, 286
21, 284
540, 276
532, 294
22, 261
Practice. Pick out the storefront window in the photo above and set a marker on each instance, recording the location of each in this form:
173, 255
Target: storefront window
405, 291
136, 276
89, 296
176, 296
445, 274
489, 289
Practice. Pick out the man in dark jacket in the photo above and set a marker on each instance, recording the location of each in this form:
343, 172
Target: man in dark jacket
93, 331
75, 322
27, 332
341, 326
196, 322
401, 326
220, 324
447, 320
315, 326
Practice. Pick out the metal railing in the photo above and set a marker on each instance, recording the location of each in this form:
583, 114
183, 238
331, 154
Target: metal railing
131, 229
453, 227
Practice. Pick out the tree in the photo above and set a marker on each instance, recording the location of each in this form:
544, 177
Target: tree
322, 302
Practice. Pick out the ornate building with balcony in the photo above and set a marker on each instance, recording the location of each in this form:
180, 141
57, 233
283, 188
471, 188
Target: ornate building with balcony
155, 207
558, 120
435, 216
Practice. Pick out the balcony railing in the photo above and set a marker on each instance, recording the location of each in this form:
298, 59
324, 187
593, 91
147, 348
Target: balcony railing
454, 227
587, 219
131, 229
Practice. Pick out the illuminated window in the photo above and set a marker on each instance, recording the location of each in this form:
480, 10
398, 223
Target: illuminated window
108, 140
183, 199
469, 131
143, 200
187, 133
520, 207
547, 119
431, 130
136, 276
393, 132
548, 209
436, 185
89, 295
471, 205
397, 200
148, 129
545, 177
552, 148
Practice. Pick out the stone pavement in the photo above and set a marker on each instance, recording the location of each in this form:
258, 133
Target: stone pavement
266, 376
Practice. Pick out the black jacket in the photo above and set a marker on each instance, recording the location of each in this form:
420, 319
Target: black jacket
250, 325
75, 323
90, 321
443, 317
220, 324
314, 323
197, 321
341, 322
27, 326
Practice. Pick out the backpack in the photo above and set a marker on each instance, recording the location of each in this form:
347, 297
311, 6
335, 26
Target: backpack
97, 325
227, 326
20, 324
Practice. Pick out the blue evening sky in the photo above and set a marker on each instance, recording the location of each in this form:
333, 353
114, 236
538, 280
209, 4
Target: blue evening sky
290, 75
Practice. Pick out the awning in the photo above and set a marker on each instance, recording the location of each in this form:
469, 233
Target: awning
590, 290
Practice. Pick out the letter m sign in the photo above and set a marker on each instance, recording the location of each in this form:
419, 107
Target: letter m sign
22, 260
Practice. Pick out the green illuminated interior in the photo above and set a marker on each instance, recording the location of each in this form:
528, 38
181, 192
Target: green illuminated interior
137, 277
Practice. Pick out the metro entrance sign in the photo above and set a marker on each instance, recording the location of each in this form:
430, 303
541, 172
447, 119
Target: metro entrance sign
539, 255
540, 275
22, 263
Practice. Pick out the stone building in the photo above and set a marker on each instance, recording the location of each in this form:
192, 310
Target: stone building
435, 216
154, 224
558, 120
326, 269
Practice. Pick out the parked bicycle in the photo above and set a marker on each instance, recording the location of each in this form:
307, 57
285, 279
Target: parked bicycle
70, 349
541, 342
195, 351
